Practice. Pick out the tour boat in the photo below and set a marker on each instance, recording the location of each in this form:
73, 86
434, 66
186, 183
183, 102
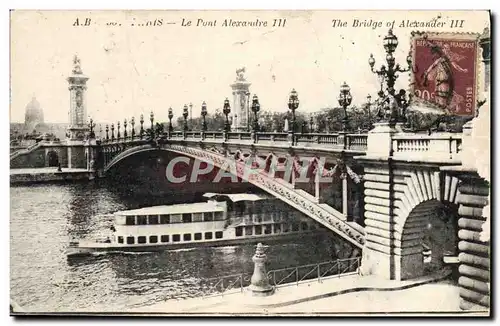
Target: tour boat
222, 220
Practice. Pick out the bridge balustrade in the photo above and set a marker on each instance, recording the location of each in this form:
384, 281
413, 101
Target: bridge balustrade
437, 146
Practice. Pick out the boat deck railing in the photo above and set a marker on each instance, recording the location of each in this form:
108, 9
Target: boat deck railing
235, 283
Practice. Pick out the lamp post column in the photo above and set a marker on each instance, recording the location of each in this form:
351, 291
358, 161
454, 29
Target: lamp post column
345, 100
226, 110
185, 114
204, 121
132, 123
170, 127
293, 104
255, 110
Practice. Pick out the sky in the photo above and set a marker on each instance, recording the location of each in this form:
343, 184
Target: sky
138, 69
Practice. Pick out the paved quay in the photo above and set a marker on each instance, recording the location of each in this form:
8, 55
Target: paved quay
45, 170
334, 295
49, 174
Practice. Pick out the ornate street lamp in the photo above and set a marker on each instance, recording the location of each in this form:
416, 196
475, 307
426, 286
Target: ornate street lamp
132, 122
248, 116
203, 116
226, 110
311, 124
141, 120
345, 100
118, 132
125, 128
255, 110
389, 74
107, 132
185, 114
293, 104
152, 119
170, 116
92, 126
112, 131
191, 114
328, 124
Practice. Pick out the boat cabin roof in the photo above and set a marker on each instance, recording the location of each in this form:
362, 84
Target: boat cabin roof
210, 206
236, 197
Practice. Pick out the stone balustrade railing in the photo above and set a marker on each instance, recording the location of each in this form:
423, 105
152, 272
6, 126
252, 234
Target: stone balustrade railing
437, 146
347, 141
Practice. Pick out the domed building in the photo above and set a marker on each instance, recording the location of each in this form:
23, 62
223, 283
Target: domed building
33, 115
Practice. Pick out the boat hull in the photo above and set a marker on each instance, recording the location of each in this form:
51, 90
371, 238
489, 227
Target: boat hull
112, 248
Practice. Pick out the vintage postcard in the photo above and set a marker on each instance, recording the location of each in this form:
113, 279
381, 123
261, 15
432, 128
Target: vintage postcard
250, 162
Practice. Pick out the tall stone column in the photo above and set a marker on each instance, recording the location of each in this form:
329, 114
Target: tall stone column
78, 127
241, 94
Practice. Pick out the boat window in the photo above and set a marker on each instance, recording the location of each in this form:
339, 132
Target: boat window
153, 239
187, 218
176, 237
142, 220
153, 219
295, 227
277, 228
197, 236
130, 240
130, 220
208, 235
164, 219
248, 230
268, 229
218, 216
286, 228
258, 229
175, 218
218, 235
257, 219
239, 231
303, 226
187, 237
164, 238
208, 216
120, 239
197, 217
141, 239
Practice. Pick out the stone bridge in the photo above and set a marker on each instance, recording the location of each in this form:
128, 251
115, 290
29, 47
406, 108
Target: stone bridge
406, 179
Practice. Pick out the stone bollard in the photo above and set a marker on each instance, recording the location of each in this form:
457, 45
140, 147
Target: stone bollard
259, 282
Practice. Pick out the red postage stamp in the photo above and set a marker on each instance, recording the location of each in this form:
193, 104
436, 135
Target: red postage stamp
446, 71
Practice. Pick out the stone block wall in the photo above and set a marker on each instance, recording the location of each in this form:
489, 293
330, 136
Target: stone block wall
77, 157
474, 256
34, 159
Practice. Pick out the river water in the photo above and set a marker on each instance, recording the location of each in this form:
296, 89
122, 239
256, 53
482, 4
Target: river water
44, 218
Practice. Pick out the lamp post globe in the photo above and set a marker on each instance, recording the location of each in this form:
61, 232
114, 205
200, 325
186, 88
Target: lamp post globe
390, 42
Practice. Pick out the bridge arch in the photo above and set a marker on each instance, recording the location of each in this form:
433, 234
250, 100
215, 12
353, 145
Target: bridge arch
400, 212
282, 190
